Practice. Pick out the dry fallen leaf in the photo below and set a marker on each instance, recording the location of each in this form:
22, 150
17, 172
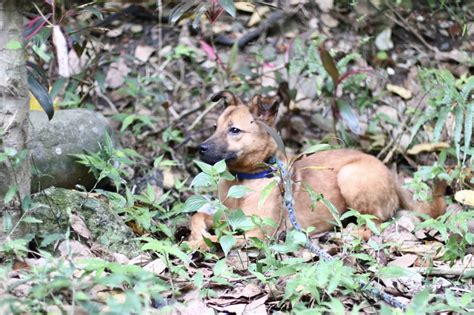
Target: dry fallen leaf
143, 52
399, 90
328, 20
156, 266
245, 6
80, 227
257, 306
404, 261
120, 258
258, 15
465, 197
325, 5
74, 248
427, 147
140, 260
116, 32
116, 74
434, 249
169, 178
383, 41
116, 294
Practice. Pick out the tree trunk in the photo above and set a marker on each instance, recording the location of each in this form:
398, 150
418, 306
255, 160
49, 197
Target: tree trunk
14, 101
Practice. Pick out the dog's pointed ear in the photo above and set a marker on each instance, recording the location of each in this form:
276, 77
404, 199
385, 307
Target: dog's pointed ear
265, 108
229, 98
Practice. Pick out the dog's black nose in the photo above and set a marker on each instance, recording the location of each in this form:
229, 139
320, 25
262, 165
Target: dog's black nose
203, 147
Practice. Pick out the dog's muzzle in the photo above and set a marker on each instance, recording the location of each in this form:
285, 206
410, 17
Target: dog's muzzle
212, 153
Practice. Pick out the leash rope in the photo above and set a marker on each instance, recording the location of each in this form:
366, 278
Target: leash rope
313, 248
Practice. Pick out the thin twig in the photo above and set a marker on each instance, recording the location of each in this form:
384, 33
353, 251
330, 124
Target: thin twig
405, 25
203, 114
107, 100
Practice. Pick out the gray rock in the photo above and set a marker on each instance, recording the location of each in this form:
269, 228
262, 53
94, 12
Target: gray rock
105, 226
71, 131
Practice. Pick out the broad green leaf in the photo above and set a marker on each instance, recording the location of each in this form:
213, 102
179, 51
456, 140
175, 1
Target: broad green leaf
221, 268
198, 279
10, 194
334, 211
293, 241
206, 168
317, 148
29, 219
228, 6
57, 87
349, 116
239, 221
284, 271
234, 53
202, 180
164, 246
390, 272
7, 221
266, 191
180, 9
50, 238
238, 191
127, 122
372, 226
419, 302
336, 307
13, 45
227, 241
194, 203
219, 167
41, 93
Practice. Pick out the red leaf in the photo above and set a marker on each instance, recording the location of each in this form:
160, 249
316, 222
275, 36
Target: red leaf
329, 64
208, 49
34, 26
214, 12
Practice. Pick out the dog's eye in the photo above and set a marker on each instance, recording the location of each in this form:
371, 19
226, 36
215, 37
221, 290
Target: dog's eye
215, 127
234, 130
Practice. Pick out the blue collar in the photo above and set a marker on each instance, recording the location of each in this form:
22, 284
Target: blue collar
263, 174
268, 173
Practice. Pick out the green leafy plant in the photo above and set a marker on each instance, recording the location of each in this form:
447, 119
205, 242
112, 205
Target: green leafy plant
109, 162
448, 96
64, 284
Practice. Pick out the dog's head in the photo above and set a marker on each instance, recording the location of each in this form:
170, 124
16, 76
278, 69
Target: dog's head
239, 138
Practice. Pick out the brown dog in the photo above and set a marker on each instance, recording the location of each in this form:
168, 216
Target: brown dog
349, 178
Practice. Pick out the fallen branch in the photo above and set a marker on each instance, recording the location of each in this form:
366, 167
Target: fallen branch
452, 272
250, 36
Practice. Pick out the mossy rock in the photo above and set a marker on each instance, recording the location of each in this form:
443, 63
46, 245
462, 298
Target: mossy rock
106, 227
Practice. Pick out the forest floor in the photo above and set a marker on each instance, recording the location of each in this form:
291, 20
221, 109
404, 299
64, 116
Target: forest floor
158, 78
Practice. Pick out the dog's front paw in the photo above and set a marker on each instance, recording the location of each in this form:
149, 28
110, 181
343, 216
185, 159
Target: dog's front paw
198, 245
201, 244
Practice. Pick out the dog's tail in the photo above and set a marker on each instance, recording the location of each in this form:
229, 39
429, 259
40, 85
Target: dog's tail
435, 208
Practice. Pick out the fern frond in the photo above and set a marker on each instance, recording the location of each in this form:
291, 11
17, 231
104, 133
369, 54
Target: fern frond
443, 116
467, 88
468, 129
458, 120
342, 64
421, 121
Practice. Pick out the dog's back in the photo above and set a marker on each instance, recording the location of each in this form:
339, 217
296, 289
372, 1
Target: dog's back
352, 179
